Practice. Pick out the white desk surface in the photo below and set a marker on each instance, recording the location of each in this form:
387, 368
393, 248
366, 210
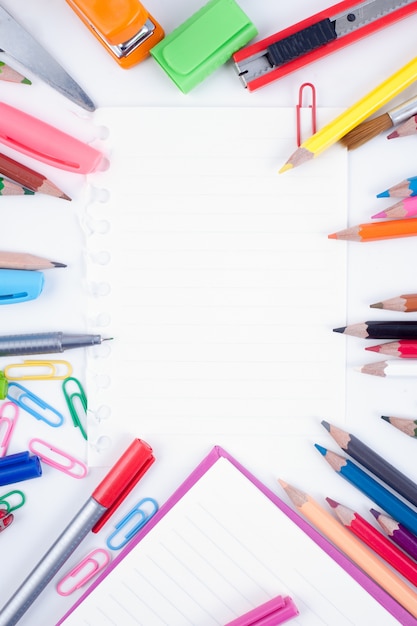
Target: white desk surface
340, 80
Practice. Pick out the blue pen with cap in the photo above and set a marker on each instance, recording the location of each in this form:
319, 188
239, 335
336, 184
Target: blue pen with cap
17, 467
20, 285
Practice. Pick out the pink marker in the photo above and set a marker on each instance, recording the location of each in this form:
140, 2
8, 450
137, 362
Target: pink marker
407, 207
271, 613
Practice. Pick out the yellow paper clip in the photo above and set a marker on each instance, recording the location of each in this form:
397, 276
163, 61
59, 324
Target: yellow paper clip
41, 370
78, 398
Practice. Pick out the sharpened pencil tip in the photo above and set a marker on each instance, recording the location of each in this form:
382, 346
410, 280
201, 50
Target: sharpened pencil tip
57, 264
385, 418
393, 135
383, 194
332, 236
320, 449
339, 330
332, 502
380, 215
285, 168
375, 513
372, 348
325, 424
376, 305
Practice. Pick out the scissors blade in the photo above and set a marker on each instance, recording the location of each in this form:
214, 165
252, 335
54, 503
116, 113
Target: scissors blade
21, 46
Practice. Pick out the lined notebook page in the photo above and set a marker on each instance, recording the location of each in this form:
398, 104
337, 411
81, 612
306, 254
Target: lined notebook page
223, 549
214, 275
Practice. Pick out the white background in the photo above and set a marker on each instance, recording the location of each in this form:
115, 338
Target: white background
375, 271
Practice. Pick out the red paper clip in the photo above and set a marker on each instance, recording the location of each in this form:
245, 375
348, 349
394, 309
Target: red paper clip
312, 106
83, 572
5, 519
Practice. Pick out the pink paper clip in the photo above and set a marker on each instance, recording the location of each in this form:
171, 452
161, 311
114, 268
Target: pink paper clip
59, 459
83, 572
312, 106
7, 424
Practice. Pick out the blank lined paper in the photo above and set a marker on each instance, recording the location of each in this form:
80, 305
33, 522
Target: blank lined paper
220, 550
214, 276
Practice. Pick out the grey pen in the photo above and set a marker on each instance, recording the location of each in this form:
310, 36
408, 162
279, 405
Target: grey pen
45, 343
105, 499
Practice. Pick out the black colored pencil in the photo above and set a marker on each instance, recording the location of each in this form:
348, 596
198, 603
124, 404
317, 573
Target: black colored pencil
404, 329
374, 463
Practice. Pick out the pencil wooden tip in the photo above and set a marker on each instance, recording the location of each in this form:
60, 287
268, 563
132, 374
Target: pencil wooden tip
366, 131
374, 369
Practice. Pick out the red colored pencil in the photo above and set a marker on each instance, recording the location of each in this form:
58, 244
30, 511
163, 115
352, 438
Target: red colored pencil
376, 541
405, 349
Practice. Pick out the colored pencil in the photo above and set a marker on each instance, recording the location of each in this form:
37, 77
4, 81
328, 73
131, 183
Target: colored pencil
11, 75
407, 303
375, 231
376, 125
404, 349
404, 189
354, 115
374, 463
29, 178
376, 491
406, 329
376, 541
409, 127
9, 188
407, 426
398, 533
391, 369
348, 544
406, 207
25, 261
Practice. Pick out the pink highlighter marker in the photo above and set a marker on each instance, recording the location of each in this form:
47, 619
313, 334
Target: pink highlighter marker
41, 141
271, 613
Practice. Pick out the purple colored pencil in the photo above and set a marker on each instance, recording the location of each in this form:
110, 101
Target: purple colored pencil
397, 532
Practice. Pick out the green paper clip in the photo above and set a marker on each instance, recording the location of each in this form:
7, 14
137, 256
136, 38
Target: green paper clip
203, 43
71, 398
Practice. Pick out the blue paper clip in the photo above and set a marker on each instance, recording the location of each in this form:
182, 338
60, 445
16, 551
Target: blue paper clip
71, 398
144, 516
19, 395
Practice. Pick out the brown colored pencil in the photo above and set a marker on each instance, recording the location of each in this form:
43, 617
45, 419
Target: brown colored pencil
10, 188
25, 261
406, 303
375, 231
29, 178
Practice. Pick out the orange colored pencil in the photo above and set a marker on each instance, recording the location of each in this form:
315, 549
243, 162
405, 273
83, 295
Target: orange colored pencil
406, 302
360, 554
374, 231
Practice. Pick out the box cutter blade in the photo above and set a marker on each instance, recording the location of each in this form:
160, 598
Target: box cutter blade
21, 46
343, 23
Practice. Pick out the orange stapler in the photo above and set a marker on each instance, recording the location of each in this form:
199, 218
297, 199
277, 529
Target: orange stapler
123, 27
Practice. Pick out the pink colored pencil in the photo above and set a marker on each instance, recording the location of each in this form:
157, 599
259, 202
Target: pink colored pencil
376, 541
407, 207
409, 127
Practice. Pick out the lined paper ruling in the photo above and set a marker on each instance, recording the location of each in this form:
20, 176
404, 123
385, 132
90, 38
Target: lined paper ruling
221, 546
214, 275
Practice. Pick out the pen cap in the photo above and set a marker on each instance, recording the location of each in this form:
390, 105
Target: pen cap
4, 386
122, 477
17, 467
20, 285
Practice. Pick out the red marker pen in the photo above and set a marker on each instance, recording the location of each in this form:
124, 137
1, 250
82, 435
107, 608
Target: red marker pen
105, 499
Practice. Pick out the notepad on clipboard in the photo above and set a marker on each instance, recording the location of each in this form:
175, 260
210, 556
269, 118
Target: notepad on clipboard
215, 277
221, 545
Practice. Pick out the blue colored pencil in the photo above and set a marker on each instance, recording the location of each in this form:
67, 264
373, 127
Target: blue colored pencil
371, 488
405, 189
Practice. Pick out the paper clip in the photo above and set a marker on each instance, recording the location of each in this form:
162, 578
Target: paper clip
144, 516
83, 572
25, 398
312, 106
5, 500
7, 423
59, 460
4, 386
76, 397
43, 370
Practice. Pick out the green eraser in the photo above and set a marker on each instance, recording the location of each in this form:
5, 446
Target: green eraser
203, 42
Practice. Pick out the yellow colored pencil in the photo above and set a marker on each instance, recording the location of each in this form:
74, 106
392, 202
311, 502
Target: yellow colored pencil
354, 115
352, 547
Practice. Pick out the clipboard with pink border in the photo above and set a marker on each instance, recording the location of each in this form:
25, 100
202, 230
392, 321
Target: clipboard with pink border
221, 545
